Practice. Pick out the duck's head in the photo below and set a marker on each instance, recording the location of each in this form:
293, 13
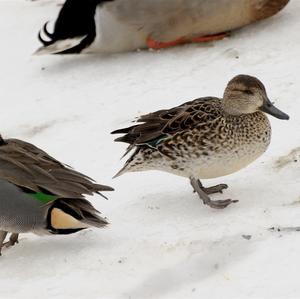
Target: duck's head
246, 94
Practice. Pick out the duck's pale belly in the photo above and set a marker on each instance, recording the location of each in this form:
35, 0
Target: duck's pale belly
223, 163
213, 164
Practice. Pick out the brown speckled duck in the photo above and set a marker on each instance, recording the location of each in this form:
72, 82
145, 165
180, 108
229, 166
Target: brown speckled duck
124, 25
205, 138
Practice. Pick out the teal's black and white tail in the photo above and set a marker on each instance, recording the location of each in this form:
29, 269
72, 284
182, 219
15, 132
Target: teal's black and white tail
67, 216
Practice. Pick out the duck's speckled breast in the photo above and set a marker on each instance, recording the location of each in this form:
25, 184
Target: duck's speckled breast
241, 147
220, 148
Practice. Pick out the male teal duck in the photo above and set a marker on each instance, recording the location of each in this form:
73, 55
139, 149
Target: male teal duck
41, 195
124, 25
205, 138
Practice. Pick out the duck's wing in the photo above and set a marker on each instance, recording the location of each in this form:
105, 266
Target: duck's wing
28, 167
160, 125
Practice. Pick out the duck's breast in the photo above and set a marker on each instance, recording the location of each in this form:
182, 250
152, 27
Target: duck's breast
242, 144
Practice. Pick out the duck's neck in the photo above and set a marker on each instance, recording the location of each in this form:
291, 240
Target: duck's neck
237, 107
231, 105
230, 109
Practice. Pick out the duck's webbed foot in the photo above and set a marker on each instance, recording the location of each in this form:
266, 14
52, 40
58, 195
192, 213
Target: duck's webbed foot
208, 38
13, 239
157, 45
204, 192
213, 189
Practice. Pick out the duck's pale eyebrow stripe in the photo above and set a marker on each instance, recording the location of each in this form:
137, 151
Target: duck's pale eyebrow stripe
238, 89
247, 90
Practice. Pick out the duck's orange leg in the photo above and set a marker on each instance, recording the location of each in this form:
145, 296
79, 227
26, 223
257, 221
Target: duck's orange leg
156, 45
207, 38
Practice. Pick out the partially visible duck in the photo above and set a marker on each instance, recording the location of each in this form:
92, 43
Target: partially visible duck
41, 195
205, 138
87, 26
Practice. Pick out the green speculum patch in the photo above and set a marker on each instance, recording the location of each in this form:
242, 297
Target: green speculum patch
42, 197
155, 142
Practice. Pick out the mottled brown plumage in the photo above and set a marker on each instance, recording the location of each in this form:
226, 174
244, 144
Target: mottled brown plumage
166, 123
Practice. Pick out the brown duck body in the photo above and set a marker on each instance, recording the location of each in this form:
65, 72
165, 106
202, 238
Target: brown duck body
205, 138
198, 139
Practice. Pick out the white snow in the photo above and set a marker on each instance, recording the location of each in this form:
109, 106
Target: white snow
162, 241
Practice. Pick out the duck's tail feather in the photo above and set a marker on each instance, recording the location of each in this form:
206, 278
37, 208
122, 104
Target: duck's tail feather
74, 28
59, 46
128, 166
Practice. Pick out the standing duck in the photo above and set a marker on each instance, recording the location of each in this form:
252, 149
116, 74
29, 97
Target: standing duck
41, 195
123, 25
205, 138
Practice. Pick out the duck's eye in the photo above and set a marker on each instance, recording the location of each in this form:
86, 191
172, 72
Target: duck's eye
248, 91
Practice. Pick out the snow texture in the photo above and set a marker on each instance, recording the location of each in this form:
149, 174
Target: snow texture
162, 241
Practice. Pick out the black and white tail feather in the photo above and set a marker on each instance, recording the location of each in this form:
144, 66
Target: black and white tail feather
74, 29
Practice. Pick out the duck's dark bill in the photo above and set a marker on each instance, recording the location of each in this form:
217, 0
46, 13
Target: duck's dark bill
269, 108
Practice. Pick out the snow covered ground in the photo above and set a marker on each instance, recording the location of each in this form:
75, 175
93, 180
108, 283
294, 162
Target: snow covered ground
162, 241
